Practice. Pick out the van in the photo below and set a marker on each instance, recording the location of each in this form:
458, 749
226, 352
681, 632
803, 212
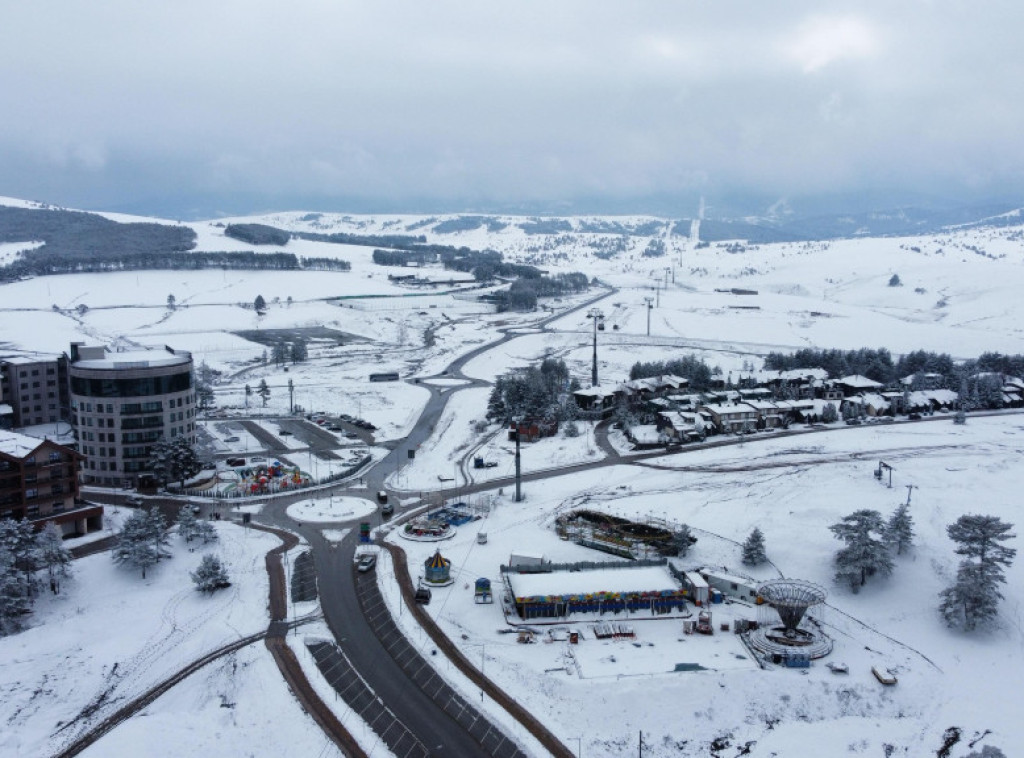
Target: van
387, 509
423, 596
382, 497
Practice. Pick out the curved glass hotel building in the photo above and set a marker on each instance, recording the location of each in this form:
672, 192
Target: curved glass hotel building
124, 402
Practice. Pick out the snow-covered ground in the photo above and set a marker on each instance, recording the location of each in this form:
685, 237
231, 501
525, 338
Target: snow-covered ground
959, 295
111, 635
607, 692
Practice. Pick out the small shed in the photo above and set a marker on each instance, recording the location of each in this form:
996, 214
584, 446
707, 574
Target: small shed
739, 587
437, 569
697, 588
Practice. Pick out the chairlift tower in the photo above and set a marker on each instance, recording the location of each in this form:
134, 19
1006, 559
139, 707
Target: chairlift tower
597, 316
650, 304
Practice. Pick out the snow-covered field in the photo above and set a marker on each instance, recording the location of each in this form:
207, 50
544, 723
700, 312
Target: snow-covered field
959, 295
111, 635
607, 692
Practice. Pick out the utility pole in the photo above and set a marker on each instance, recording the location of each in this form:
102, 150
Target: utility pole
649, 300
291, 396
910, 488
657, 295
519, 471
597, 316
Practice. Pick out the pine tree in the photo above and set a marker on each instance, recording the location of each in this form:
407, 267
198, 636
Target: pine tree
899, 530
299, 351
683, 539
829, 414
263, 391
188, 525
753, 548
18, 539
279, 353
206, 532
210, 575
184, 461
160, 461
141, 541
865, 553
15, 600
53, 555
974, 597
259, 304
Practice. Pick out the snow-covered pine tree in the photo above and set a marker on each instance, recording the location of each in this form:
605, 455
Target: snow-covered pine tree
15, 601
829, 414
134, 543
974, 597
753, 548
210, 575
184, 461
865, 553
682, 539
206, 532
53, 555
156, 532
263, 391
160, 463
899, 530
188, 525
19, 539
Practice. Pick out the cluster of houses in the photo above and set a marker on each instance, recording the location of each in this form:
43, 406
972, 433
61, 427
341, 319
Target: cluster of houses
751, 401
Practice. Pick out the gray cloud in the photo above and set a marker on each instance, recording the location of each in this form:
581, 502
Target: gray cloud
532, 102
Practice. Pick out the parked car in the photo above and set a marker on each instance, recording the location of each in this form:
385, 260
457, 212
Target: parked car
334, 428
382, 497
387, 509
914, 416
351, 435
135, 500
285, 433
853, 422
366, 563
232, 439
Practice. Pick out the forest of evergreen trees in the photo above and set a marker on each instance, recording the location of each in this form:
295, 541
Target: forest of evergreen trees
688, 367
533, 392
76, 242
257, 234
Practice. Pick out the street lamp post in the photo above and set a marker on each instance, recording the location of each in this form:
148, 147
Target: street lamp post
597, 316
517, 420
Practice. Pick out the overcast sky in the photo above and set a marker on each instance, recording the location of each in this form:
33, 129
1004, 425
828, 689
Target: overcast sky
462, 105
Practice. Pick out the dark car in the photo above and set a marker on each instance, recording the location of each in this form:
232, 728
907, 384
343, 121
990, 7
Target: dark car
914, 416
423, 596
853, 422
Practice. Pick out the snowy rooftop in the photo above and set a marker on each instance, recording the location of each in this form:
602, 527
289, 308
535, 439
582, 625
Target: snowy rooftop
17, 445
640, 579
858, 381
136, 359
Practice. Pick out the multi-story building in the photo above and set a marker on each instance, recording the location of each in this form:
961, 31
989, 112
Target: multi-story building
36, 389
39, 482
123, 403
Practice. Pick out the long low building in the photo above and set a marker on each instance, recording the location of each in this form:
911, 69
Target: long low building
602, 590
